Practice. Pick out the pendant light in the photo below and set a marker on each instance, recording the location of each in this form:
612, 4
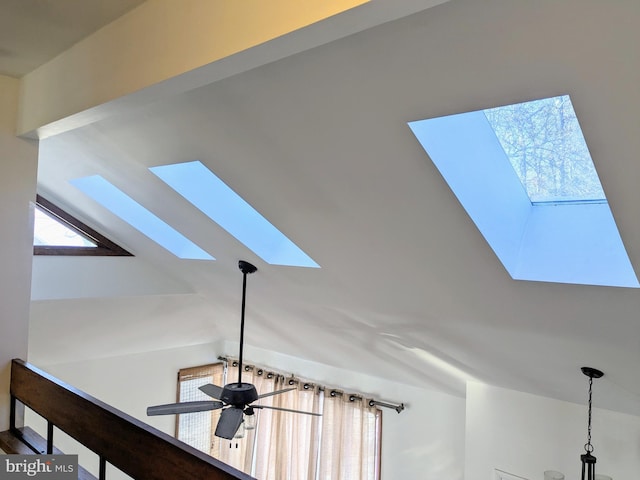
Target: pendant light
587, 459
249, 419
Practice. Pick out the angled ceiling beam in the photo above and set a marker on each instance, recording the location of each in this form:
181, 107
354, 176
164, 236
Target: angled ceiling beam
164, 47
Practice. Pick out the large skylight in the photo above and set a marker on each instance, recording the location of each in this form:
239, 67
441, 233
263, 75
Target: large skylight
544, 143
214, 198
559, 227
139, 217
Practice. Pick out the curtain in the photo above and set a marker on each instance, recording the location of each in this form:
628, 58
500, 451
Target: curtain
288, 442
239, 452
343, 444
350, 442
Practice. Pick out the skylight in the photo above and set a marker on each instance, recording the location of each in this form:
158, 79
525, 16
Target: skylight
50, 232
544, 143
524, 175
214, 198
139, 217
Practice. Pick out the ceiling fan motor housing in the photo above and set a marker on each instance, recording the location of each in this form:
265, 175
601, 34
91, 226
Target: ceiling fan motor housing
239, 394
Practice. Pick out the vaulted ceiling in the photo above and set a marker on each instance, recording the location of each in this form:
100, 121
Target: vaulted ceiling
318, 143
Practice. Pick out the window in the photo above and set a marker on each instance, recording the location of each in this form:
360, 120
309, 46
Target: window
342, 444
196, 428
56, 232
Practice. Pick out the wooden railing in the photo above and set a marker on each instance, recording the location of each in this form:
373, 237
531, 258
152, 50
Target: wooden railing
132, 446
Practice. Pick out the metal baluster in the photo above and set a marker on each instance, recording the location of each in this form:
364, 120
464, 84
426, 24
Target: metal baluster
49, 438
102, 475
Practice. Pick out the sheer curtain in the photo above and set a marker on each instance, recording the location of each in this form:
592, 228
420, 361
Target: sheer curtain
350, 444
287, 442
343, 444
239, 453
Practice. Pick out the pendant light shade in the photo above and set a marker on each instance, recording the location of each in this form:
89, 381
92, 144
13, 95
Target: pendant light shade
587, 459
240, 432
588, 466
249, 419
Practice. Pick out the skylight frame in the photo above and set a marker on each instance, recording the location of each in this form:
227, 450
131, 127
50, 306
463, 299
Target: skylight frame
104, 247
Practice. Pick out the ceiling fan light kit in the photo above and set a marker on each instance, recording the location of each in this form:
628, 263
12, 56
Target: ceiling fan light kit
235, 399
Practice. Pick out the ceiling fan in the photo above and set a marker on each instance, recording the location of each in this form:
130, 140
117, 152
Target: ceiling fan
235, 399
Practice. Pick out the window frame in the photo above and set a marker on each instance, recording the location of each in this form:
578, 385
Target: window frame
104, 247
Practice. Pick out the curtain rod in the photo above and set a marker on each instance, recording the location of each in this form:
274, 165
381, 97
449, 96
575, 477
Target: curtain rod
352, 397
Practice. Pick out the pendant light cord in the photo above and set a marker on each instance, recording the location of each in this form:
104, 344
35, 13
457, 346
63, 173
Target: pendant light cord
587, 459
588, 447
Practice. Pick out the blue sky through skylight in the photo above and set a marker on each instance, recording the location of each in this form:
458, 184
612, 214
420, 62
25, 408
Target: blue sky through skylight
559, 228
544, 143
214, 198
139, 217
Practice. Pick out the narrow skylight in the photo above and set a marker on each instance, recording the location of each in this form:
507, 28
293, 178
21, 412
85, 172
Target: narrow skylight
51, 232
544, 143
139, 217
214, 198
524, 175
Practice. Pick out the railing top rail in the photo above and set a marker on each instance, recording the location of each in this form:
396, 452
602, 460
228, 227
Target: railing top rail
134, 447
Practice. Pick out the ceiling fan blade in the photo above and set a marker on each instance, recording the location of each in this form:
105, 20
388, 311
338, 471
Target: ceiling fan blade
286, 410
230, 421
214, 391
184, 407
277, 392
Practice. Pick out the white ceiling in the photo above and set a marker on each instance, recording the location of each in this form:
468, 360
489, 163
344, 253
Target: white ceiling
319, 144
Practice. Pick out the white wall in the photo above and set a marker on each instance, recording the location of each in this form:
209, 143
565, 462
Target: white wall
62, 277
18, 165
425, 441
526, 434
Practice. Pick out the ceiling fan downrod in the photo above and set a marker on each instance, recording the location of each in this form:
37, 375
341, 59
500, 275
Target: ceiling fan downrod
235, 400
246, 268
